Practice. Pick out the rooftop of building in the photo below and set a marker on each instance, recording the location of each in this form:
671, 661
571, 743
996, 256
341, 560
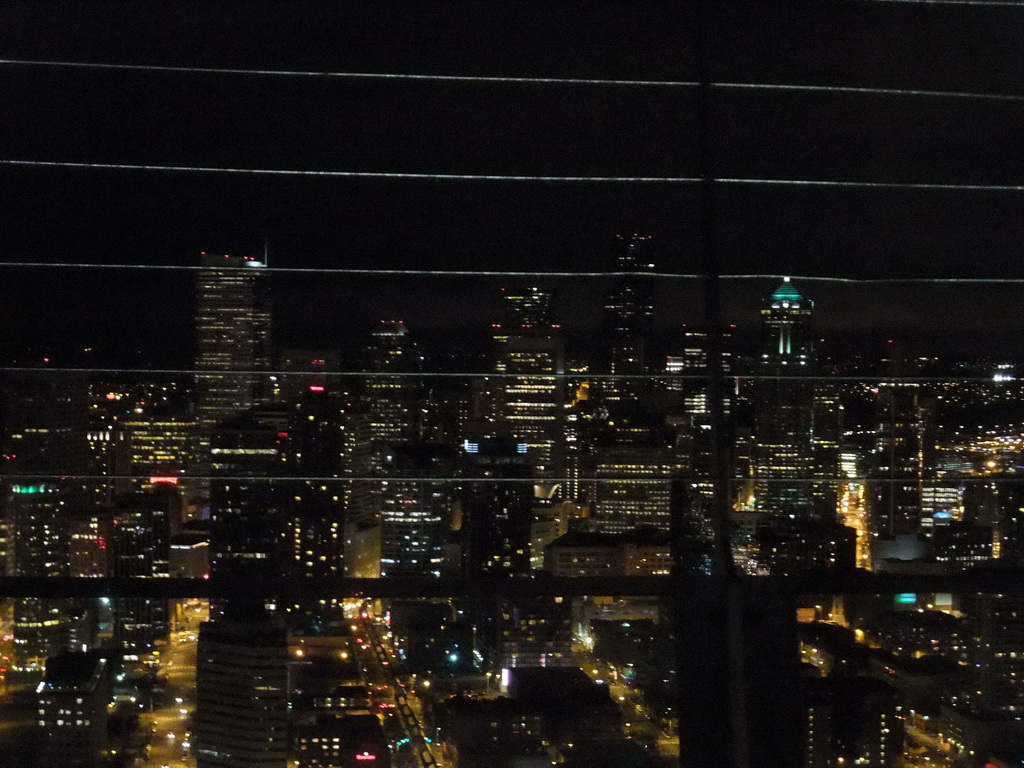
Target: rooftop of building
190, 539
643, 536
786, 292
550, 685
74, 672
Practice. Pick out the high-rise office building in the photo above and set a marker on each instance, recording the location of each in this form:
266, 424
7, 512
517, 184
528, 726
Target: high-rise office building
904, 455
44, 436
313, 509
852, 721
232, 344
633, 487
416, 511
241, 717
159, 445
39, 516
73, 698
784, 407
246, 453
394, 401
529, 349
139, 547
496, 516
825, 444
634, 463
628, 322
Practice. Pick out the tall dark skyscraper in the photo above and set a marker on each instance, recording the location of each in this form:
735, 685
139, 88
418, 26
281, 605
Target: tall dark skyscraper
232, 334
628, 321
245, 504
313, 510
904, 456
783, 407
139, 547
241, 718
496, 516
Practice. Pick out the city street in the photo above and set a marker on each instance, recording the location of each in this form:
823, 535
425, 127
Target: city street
170, 720
637, 722
378, 665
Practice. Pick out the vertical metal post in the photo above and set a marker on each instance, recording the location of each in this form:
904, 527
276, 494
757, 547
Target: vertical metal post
709, 624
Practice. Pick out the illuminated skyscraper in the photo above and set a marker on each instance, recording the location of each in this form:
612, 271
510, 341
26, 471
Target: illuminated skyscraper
529, 342
394, 402
416, 513
629, 318
139, 547
45, 426
232, 339
634, 467
783, 407
313, 512
904, 455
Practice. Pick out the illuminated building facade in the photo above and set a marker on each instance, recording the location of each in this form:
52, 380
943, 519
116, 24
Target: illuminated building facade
904, 455
536, 633
313, 510
45, 427
643, 552
232, 339
159, 445
141, 528
825, 445
633, 487
330, 741
416, 513
528, 344
72, 700
89, 534
783, 407
395, 403
39, 514
634, 463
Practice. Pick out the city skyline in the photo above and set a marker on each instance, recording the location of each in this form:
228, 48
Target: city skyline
387, 330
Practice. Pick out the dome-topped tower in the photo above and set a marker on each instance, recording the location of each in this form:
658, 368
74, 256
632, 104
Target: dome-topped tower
786, 292
786, 337
783, 419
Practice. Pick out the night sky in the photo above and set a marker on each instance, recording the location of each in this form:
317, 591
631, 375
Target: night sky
58, 215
